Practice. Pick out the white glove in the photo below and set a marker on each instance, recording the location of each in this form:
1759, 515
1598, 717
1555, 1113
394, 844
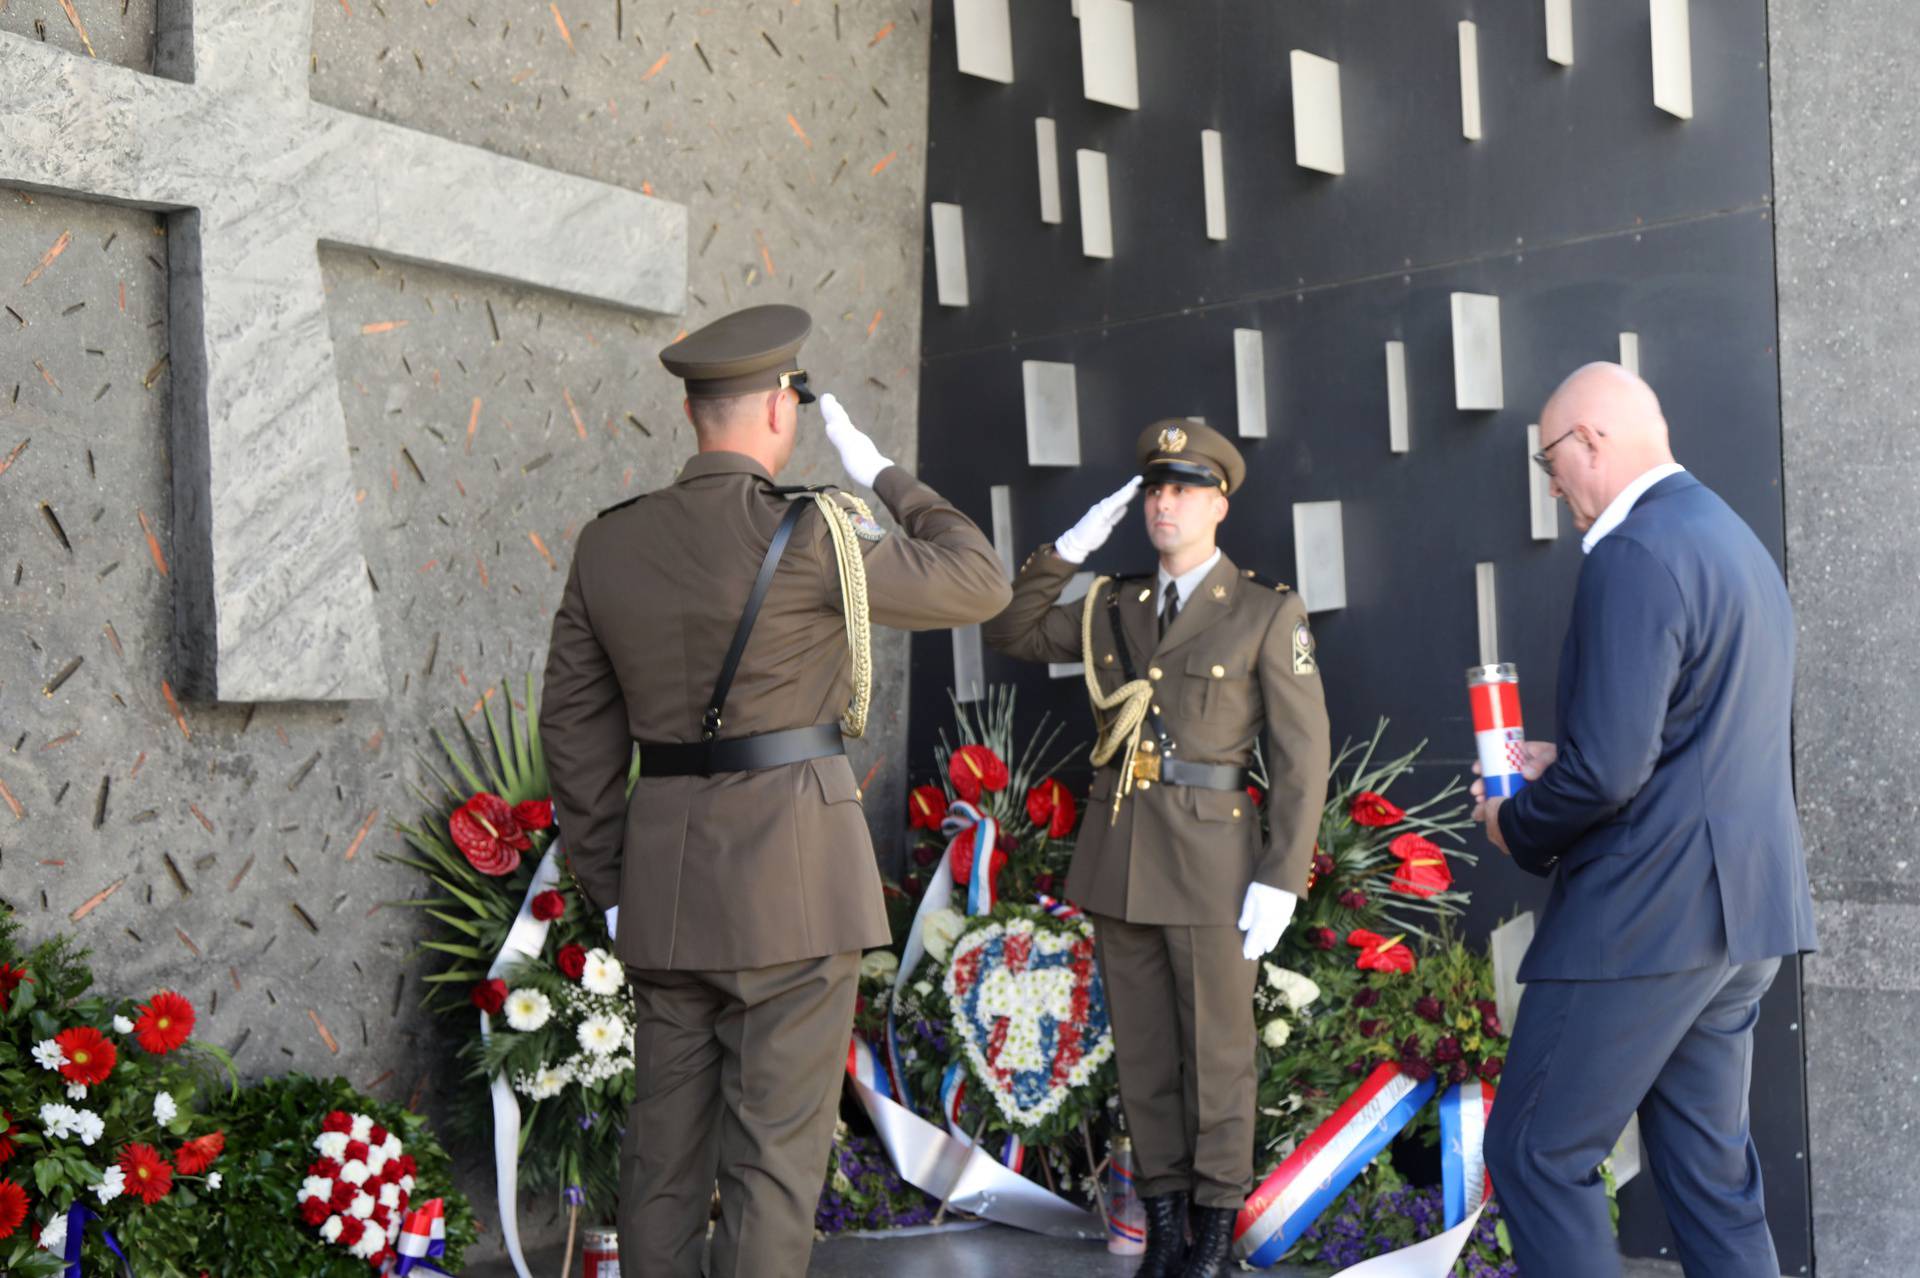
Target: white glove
613, 922
1091, 533
857, 453
1264, 917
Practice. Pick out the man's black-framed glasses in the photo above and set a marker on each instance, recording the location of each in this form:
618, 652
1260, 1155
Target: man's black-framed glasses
1544, 462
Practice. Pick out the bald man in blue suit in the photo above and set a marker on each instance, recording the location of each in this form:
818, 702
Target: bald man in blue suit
1664, 818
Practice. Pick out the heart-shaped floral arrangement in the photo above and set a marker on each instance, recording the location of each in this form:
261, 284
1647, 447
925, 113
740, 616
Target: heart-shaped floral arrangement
1029, 1007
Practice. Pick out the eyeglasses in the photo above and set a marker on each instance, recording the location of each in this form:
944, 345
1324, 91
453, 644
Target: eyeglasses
1541, 459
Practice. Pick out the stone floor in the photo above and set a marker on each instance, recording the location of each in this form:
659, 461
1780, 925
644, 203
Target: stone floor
971, 1251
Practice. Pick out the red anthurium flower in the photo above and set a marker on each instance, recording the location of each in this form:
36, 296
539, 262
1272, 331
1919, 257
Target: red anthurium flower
1423, 866
534, 814
10, 978
13, 1207
1376, 810
963, 860
149, 1176
1379, 953
485, 830
571, 960
164, 1023
974, 768
198, 1154
7, 1147
549, 905
1050, 806
926, 807
90, 1057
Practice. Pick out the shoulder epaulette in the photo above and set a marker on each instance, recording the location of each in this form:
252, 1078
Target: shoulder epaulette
1266, 582
619, 506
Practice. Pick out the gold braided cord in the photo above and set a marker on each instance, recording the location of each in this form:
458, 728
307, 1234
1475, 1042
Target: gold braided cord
1129, 699
853, 602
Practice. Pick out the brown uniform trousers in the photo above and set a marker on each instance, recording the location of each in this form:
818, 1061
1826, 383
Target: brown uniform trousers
1164, 878
744, 898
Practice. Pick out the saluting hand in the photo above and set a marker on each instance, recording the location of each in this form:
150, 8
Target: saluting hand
858, 454
1535, 758
1091, 533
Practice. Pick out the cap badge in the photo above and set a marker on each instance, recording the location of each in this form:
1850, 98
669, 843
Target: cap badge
1173, 440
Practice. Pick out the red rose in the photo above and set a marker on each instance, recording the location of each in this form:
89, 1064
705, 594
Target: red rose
1050, 806
1369, 1028
338, 1121
488, 996
314, 1211
1353, 899
1043, 883
534, 814
926, 807
549, 905
1325, 937
1459, 1072
1378, 953
148, 1176
485, 831
164, 1023
571, 960
925, 856
196, 1155
1423, 866
1419, 1071
90, 1057
1375, 810
1447, 1050
1428, 1008
1490, 1068
974, 768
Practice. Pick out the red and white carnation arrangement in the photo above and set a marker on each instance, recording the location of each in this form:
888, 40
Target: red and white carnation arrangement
356, 1192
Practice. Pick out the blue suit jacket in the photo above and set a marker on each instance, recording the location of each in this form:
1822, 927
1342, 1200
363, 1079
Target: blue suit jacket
1668, 823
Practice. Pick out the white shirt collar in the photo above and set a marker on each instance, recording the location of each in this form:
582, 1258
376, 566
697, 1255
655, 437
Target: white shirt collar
1621, 506
1186, 583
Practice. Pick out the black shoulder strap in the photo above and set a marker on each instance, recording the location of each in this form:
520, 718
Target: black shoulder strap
710, 725
1154, 720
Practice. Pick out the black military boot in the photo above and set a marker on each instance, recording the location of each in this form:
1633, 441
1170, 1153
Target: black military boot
1212, 1254
1166, 1236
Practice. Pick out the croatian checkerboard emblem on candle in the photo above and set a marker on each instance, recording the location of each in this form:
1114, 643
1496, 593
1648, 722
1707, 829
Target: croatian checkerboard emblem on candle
1497, 731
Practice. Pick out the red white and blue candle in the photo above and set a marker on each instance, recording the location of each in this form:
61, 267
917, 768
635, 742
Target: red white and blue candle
1497, 729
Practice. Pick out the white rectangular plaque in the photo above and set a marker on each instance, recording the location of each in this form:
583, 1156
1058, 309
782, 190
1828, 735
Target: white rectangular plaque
1630, 352
1319, 555
1053, 413
1560, 32
949, 254
1486, 607
1544, 510
1470, 81
1213, 178
1317, 139
1076, 589
1672, 58
983, 39
1109, 71
1000, 501
1047, 145
1096, 215
1507, 947
969, 664
1250, 382
1399, 433
1477, 382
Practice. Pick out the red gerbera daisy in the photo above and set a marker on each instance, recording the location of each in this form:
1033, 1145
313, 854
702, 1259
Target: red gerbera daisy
164, 1023
974, 768
10, 978
149, 1176
7, 1147
13, 1207
1376, 810
90, 1057
485, 830
1050, 806
926, 807
198, 1154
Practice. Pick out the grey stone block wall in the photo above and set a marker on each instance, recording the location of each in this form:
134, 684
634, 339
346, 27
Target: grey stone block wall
487, 422
1847, 190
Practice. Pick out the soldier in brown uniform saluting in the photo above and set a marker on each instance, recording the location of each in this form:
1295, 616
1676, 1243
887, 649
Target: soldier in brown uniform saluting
721, 626
1187, 668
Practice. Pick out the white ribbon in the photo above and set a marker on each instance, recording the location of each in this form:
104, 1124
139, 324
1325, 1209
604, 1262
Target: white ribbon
1433, 1258
525, 940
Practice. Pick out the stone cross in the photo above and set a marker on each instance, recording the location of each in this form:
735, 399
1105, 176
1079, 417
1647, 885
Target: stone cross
272, 599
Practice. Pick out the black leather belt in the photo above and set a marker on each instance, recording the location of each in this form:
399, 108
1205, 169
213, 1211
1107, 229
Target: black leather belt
742, 754
1203, 776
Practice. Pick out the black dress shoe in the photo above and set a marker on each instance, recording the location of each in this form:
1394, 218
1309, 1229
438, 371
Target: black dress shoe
1166, 1236
1212, 1254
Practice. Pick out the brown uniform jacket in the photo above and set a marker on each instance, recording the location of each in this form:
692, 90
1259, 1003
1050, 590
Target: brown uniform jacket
747, 869
1226, 671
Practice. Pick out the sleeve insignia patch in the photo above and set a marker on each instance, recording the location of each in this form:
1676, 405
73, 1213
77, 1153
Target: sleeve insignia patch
1303, 662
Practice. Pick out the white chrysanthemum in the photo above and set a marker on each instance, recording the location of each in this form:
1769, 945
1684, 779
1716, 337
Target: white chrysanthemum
76, 1091
48, 1054
314, 1187
600, 1035
53, 1235
92, 1127
121, 1025
942, 929
880, 966
1276, 1033
603, 973
1297, 990
213, 1180
331, 1145
60, 1121
164, 1110
528, 1010
354, 1173
112, 1184
331, 1227
390, 1196
363, 1205
362, 1127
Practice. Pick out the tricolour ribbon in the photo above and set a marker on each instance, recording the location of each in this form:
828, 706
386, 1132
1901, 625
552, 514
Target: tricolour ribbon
864, 1065
423, 1237
78, 1217
1463, 1163
525, 940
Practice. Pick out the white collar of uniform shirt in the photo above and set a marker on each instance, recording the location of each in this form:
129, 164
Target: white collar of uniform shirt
1620, 506
1186, 583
